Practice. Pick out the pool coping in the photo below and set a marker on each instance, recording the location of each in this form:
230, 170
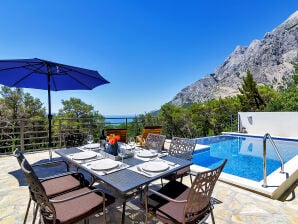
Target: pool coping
277, 182
275, 137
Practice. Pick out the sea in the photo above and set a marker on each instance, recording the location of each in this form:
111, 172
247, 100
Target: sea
119, 119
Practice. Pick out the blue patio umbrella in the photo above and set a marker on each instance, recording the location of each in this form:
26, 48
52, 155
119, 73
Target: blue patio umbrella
41, 74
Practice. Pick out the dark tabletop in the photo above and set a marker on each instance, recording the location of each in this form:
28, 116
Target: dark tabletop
126, 180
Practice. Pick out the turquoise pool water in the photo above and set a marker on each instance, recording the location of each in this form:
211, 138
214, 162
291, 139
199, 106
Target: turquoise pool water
244, 154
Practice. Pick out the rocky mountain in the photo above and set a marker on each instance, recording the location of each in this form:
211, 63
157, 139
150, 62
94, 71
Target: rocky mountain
269, 60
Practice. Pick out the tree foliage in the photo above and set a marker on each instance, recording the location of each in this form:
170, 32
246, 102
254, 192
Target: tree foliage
288, 99
250, 97
75, 108
175, 120
17, 110
268, 94
18, 104
214, 116
193, 120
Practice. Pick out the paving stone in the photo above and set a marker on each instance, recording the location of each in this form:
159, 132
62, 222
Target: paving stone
232, 204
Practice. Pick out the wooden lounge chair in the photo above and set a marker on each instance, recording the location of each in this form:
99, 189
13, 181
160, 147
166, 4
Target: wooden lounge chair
70, 207
57, 184
182, 148
148, 129
178, 203
122, 132
155, 142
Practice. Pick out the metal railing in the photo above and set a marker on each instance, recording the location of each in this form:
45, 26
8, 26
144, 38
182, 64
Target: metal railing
268, 136
32, 134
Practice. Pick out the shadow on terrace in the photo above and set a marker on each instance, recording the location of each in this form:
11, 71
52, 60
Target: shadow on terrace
231, 204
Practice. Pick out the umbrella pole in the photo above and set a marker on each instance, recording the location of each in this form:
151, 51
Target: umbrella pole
50, 113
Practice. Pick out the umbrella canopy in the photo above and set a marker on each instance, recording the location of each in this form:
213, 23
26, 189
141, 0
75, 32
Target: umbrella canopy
41, 74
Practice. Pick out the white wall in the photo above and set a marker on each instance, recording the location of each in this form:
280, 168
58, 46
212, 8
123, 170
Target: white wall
279, 124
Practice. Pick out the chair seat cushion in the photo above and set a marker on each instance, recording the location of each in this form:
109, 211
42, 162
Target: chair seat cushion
172, 189
60, 185
174, 210
79, 208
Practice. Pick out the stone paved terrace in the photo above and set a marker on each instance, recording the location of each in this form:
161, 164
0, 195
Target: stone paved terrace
233, 205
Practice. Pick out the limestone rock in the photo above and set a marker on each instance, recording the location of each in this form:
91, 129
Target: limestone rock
269, 60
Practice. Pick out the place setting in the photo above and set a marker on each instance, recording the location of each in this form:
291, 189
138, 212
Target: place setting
105, 166
91, 146
147, 155
153, 167
85, 156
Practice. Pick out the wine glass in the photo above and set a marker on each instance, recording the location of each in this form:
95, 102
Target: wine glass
131, 142
89, 138
121, 152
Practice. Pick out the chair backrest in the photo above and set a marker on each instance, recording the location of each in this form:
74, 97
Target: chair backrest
155, 142
199, 196
151, 129
121, 132
37, 191
182, 147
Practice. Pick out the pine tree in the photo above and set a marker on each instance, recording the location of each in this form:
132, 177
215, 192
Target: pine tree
250, 97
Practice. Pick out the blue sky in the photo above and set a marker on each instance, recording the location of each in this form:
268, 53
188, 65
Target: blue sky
148, 49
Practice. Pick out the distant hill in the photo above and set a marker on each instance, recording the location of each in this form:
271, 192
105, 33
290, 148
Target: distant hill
269, 60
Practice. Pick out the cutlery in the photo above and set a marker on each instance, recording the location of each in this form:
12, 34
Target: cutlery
88, 160
162, 155
104, 172
170, 163
165, 161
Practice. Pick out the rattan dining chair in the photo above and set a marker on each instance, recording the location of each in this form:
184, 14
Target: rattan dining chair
155, 142
56, 184
64, 206
182, 148
178, 203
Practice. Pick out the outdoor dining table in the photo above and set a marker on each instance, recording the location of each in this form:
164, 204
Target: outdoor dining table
125, 183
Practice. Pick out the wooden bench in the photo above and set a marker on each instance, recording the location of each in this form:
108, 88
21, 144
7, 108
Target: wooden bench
121, 132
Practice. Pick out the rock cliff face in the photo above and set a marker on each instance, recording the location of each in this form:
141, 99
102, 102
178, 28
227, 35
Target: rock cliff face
269, 60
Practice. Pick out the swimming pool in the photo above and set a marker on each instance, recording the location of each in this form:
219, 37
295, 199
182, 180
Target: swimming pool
244, 154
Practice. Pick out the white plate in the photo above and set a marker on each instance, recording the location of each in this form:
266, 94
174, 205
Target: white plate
155, 166
84, 155
146, 154
91, 146
104, 164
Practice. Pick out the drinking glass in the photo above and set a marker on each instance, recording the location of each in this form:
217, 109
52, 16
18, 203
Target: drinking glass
89, 138
121, 152
132, 142
102, 144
